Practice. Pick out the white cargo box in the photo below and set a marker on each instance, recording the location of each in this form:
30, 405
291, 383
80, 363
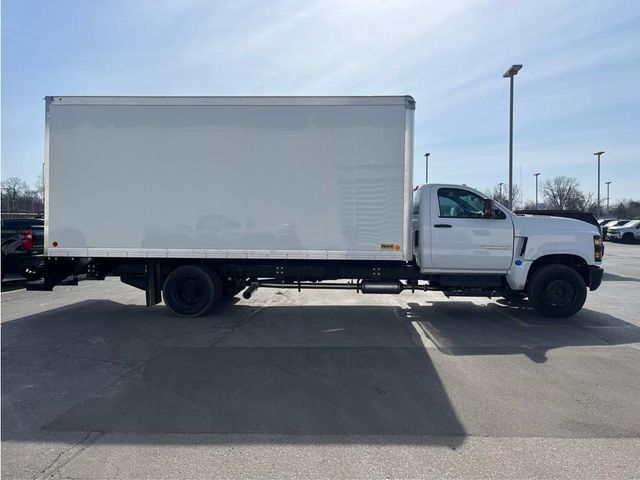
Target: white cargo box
229, 177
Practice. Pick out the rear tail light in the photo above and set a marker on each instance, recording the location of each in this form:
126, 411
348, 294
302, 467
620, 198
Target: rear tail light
27, 239
598, 248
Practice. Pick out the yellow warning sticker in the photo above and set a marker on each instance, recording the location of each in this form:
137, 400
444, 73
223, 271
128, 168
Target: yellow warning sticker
389, 246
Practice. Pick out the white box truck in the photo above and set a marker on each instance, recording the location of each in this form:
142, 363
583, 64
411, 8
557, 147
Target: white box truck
194, 199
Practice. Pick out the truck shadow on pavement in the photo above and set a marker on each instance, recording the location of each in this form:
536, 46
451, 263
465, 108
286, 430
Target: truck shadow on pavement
464, 328
305, 372
610, 277
100, 366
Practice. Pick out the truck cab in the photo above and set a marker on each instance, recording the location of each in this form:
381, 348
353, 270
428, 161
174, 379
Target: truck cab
460, 232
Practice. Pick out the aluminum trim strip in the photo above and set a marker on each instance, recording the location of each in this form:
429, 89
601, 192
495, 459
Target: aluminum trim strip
253, 101
222, 254
462, 270
407, 244
45, 173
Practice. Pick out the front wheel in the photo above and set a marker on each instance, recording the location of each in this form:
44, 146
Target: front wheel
627, 238
191, 290
557, 291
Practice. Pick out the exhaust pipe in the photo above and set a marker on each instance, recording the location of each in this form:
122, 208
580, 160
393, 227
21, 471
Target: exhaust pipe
249, 291
366, 286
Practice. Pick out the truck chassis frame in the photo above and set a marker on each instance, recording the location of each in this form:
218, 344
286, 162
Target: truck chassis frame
367, 277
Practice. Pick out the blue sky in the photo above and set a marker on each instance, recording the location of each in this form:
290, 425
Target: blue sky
579, 90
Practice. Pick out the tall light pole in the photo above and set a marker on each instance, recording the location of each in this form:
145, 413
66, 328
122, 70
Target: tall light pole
426, 167
598, 207
512, 72
537, 175
608, 183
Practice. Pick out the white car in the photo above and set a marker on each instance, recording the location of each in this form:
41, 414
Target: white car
627, 233
604, 228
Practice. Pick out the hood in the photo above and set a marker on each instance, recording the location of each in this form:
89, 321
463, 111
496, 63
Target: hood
527, 225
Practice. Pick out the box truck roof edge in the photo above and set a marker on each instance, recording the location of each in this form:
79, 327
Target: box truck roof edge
370, 100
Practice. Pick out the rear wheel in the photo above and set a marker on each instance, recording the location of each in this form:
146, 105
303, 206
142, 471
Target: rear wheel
557, 291
191, 290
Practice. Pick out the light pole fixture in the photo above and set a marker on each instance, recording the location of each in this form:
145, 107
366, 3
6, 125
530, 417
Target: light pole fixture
512, 72
537, 175
598, 207
608, 183
426, 167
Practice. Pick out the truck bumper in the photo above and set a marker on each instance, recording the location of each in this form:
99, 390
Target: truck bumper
595, 277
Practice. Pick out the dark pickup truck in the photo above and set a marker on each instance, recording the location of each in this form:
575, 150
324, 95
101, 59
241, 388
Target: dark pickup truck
22, 245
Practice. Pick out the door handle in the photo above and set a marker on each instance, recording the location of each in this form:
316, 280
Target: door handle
442, 225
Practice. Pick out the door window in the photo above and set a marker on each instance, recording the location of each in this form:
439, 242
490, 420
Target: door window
459, 203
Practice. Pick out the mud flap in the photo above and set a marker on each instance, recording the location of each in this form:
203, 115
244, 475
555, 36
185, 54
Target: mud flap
154, 283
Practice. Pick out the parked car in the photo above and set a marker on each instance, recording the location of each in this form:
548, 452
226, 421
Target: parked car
22, 245
603, 221
614, 223
628, 233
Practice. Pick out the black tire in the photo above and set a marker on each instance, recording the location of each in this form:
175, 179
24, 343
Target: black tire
191, 291
627, 238
557, 291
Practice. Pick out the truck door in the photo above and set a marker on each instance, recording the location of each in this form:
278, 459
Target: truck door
462, 238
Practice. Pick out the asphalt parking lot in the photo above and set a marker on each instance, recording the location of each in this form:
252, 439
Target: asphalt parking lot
331, 384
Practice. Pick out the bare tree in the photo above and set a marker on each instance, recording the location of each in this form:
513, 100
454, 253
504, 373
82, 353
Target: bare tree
626, 209
563, 193
17, 197
587, 202
14, 186
12, 189
501, 195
